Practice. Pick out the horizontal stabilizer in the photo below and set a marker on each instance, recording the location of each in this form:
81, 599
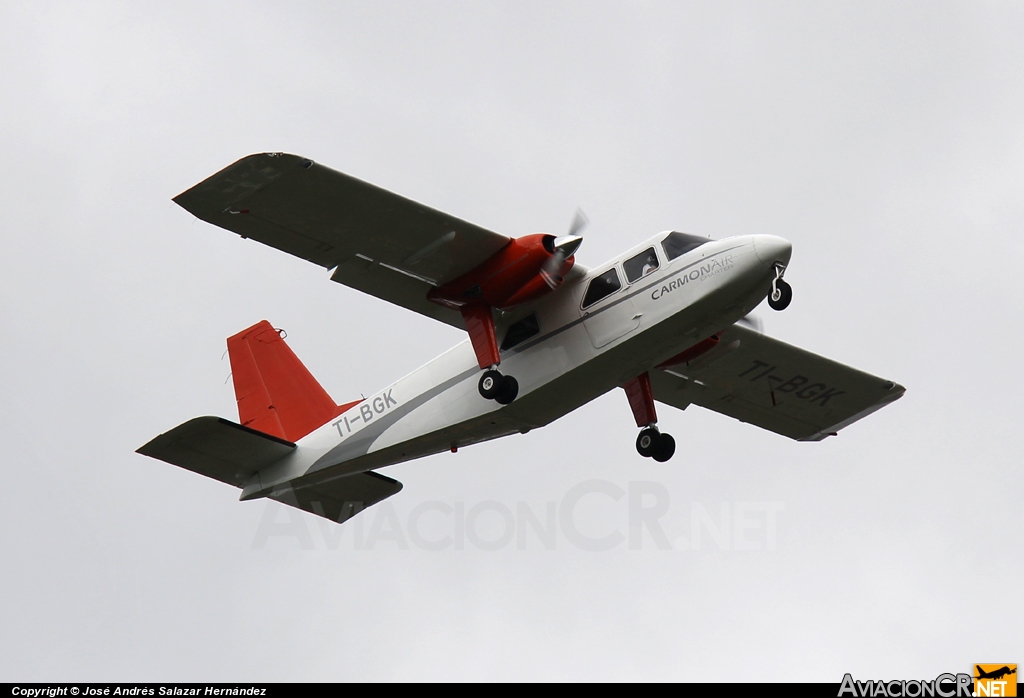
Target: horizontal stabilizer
342, 498
218, 448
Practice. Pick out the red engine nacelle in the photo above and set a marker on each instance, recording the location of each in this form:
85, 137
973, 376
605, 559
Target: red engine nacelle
514, 275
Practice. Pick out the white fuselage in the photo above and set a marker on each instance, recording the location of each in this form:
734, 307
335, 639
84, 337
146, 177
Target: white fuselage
577, 355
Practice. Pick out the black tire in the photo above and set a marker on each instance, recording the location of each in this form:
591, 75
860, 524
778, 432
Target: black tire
785, 296
666, 448
647, 442
508, 390
490, 384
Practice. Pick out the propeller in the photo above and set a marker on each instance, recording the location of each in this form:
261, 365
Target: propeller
564, 246
579, 222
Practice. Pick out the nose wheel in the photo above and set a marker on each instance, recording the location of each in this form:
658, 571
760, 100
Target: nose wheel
651, 443
494, 386
781, 293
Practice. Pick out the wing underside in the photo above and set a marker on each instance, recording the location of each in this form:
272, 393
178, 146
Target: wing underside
375, 241
775, 386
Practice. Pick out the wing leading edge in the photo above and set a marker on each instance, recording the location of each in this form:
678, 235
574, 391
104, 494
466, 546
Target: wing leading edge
377, 242
775, 386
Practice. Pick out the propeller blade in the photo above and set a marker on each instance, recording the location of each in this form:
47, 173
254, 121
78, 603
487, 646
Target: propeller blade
565, 246
549, 270
579, 222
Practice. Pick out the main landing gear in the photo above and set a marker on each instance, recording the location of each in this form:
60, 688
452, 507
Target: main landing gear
781, 293
480, 326
494, 386
651, 443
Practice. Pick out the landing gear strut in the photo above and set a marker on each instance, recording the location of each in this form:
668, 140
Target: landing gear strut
651, 443
480, 326
781, 293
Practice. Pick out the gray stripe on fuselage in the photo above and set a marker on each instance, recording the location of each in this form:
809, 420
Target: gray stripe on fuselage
359, 444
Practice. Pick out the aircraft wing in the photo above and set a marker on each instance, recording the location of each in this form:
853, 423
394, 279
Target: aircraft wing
774, 385
376, 241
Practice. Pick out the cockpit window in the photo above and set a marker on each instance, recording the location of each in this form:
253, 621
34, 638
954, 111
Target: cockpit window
640, 265
678, 244
602, 287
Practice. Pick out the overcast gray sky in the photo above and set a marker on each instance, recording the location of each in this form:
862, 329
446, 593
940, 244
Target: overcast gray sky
885, 140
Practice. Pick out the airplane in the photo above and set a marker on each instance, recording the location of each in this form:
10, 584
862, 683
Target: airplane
995, 674
666, 320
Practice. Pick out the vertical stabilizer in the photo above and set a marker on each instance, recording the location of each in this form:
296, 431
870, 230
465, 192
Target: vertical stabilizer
276, 394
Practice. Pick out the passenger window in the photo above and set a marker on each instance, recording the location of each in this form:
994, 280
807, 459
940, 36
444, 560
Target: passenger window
641, 265
602, 287
519, 332
678, 244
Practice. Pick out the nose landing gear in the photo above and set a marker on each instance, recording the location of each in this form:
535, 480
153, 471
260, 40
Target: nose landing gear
781, 293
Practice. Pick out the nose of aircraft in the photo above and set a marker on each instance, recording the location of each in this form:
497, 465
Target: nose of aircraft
771, 249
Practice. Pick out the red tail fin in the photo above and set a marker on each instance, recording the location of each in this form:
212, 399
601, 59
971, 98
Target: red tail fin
276, 394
